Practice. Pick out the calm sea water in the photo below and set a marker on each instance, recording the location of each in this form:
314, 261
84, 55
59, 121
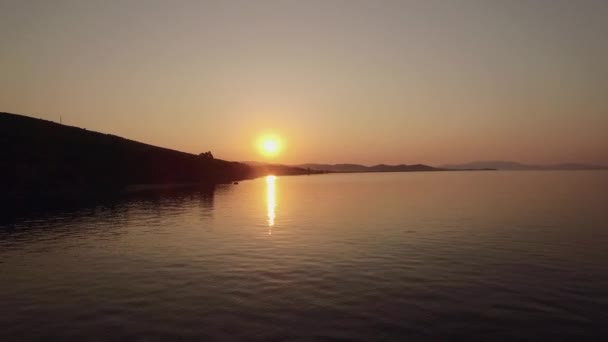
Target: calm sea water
400, 256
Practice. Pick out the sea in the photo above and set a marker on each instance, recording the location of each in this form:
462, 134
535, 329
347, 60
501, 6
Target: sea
429, 256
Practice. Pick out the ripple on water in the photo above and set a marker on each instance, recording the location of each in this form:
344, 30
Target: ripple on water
436, 256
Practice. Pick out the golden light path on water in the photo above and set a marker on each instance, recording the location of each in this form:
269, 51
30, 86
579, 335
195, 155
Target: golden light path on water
270, 200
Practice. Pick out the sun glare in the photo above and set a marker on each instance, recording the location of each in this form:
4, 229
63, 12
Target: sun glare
269, 146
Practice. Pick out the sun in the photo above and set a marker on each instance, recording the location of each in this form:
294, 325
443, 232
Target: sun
269, 146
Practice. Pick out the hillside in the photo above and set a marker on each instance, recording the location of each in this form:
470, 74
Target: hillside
45, 159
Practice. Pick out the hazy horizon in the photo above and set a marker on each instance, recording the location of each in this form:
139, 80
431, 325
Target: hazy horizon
362, 82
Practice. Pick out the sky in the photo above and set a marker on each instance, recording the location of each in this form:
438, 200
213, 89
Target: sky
338, 81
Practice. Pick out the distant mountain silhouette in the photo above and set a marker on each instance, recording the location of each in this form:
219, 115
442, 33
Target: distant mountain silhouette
363, 168
44, 160
509, 165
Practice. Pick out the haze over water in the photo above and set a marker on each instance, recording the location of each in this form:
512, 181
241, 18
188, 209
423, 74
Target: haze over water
436, 255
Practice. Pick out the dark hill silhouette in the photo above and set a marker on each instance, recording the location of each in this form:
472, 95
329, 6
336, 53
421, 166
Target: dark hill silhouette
45, 160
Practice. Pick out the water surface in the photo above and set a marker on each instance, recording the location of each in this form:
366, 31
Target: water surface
397, 256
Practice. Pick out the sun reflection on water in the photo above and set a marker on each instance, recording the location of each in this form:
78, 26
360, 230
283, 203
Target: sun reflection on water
270, 200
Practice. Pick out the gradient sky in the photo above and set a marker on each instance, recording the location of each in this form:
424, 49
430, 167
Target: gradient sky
340, 81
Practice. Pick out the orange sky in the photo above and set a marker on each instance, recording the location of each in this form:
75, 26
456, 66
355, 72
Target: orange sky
340, 81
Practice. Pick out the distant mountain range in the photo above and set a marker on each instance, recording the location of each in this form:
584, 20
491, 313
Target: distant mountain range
472, 166
351, 167
363, 168
509, 165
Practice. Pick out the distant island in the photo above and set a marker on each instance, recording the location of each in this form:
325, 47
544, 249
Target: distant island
472, 166
363, 168
355, 168
510, 165
42, 160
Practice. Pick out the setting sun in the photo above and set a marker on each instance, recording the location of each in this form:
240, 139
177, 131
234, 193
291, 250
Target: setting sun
269, 146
